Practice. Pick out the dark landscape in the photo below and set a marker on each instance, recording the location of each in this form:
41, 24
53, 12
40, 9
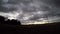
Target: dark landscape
15, 27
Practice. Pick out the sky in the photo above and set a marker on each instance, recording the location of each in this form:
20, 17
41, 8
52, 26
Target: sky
29, 11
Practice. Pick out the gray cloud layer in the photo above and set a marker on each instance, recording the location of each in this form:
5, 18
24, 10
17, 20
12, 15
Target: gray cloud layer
31, 9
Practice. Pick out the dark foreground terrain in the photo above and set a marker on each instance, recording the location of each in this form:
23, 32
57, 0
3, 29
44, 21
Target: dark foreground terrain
28, 29
15, 27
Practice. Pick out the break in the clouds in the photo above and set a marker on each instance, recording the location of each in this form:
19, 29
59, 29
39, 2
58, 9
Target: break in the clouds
31, 10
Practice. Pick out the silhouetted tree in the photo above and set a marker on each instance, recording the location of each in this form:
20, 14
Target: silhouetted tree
15, 22
7, 22
2, 19
11, 22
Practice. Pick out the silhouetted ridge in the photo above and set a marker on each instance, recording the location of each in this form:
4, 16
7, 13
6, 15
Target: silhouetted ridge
11, 22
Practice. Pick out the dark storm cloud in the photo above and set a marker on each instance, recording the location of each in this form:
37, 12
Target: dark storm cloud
57, 2
52, 2
10, 5
48, 8
6, 7
55, 9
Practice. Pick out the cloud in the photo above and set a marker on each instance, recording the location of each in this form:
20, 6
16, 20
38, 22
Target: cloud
30, 9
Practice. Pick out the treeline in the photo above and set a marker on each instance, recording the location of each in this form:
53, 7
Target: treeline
8, 21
